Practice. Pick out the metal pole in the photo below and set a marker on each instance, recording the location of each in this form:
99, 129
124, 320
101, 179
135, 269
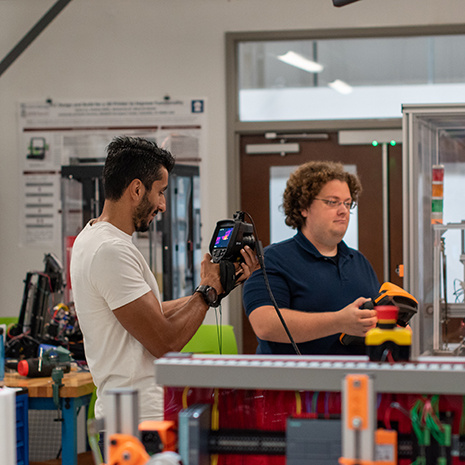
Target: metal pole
437, 290
43, 22
385, 172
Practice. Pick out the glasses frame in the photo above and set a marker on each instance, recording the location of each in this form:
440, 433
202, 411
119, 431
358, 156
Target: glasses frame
336, 203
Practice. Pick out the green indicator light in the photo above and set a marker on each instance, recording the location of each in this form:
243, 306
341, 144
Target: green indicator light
393, 142
437, 206
374, 143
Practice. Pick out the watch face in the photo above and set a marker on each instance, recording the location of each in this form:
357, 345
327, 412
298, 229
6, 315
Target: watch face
211, 294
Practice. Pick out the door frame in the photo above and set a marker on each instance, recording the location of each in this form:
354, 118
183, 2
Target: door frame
233, 184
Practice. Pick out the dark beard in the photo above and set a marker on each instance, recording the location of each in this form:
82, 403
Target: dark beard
141, 224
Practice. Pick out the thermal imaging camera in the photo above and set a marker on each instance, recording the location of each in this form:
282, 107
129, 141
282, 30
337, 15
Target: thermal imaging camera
229, 237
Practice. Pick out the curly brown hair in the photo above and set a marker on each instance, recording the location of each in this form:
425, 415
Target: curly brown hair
306, 182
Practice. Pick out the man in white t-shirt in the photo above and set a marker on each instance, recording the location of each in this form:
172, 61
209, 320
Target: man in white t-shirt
124, 323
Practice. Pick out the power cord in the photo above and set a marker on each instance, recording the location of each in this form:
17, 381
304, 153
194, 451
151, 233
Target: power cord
219, 328
261, 261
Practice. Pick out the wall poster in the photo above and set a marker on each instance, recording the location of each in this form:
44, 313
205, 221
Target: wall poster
56, 134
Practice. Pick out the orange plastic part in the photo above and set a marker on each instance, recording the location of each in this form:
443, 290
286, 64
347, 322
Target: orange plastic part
357, 404
386, 447
127, 450
346, 461
165, 429
392, 290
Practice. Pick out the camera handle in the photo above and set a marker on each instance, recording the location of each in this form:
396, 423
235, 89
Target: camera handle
227, 277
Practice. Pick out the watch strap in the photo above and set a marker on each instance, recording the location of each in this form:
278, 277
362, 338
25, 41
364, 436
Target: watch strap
203, 290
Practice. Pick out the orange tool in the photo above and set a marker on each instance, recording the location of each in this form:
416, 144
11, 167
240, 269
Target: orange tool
127, 450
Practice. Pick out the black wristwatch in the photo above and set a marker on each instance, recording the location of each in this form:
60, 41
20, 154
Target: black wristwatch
209, 294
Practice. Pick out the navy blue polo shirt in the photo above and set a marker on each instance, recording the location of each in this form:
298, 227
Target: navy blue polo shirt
303, 279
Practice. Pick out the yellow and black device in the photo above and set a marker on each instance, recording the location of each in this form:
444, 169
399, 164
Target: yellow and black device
388, 342
389, 294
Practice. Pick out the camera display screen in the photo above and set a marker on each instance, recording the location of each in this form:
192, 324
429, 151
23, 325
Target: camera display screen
222, 239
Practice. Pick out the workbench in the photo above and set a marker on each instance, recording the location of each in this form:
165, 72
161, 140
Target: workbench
75, 393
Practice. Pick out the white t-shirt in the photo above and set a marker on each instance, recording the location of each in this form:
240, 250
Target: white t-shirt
107, 272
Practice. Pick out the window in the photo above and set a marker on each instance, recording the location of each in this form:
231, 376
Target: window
347, 78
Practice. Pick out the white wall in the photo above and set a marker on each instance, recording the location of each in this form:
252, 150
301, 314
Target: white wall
129, 49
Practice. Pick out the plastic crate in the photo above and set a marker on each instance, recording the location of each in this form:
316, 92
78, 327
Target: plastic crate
22, 427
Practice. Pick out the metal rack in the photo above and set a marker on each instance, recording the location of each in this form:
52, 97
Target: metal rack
427, 375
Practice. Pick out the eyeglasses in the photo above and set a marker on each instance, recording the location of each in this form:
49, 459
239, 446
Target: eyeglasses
335, 203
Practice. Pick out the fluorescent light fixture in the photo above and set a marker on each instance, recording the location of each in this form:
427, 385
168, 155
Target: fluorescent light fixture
299, 61
340, 86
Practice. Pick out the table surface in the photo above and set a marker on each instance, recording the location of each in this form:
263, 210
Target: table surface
76, 384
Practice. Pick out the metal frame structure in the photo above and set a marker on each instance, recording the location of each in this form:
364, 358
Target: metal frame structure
421, 239
428, 375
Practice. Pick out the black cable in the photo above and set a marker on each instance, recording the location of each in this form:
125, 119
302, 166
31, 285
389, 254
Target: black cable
385, 355
261, 261
444, 275
219, 328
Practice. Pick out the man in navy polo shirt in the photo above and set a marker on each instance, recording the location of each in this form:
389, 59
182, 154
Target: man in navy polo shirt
318, 282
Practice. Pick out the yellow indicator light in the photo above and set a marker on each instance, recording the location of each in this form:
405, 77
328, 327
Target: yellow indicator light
438, 190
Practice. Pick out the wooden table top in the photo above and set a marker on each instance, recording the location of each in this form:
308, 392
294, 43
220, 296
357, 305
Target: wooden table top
76, 384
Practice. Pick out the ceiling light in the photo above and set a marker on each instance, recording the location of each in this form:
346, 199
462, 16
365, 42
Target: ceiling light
299, 61
340, 86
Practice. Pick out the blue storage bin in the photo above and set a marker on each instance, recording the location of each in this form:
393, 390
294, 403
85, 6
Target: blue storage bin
22, 427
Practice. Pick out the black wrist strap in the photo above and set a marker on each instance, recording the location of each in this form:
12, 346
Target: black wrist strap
227, 276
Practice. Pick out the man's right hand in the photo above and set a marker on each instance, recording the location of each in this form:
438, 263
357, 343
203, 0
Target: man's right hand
356, 321
210, 274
